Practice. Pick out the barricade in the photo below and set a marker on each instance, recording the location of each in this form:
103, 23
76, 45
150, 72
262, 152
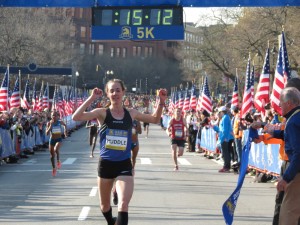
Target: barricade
13, 143
264, 158
7, 143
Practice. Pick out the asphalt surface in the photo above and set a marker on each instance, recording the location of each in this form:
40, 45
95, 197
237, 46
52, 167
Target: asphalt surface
194, 195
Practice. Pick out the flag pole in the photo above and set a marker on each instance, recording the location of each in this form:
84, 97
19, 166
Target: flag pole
20, 83
7, 109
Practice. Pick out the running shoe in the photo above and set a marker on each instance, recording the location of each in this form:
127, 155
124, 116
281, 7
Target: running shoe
115, 198
53, 172
224, 170
176, 168
58, 164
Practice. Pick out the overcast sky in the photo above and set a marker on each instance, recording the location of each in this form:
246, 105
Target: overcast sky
192, 14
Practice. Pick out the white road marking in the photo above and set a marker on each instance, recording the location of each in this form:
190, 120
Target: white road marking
84, 213
69, 161
146, 161
183, 161
93, 191
30, 162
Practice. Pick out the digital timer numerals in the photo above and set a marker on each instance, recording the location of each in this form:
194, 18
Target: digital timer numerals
137, 17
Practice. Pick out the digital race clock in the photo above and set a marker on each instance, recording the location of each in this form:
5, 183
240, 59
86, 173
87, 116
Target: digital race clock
137, 23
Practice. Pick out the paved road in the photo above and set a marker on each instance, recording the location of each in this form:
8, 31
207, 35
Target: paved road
192, 196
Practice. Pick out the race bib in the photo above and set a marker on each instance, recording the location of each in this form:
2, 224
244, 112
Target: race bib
56, 130
94, 123
116, 139
178, 133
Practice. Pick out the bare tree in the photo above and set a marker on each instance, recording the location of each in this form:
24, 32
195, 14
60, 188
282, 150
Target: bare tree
42, 35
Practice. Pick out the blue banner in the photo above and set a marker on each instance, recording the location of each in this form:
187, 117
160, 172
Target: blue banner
230, 204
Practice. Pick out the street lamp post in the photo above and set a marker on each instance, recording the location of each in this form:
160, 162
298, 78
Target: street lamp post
75, 87
106, 75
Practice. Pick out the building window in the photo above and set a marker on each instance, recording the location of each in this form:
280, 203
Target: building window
112, 52
124, 52
83, 32
100, 49
73, 31
92, 49
134, 51
81, 48
118, 53
150, 51
80, 12
139, 51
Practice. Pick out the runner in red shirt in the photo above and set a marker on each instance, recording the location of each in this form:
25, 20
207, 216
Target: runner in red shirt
176, 130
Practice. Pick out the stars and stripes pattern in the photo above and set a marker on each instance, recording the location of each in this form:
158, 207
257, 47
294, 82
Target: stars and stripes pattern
193, 100
46, 97
40, 102
282, 74
25, 100
180, 99
247, 97
4, 106
235, 94
186, 104
262, 95
206, 103
199, 97
34, 99
15, 99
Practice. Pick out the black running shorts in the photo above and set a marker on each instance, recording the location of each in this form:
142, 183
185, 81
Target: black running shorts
179, 143
112, 169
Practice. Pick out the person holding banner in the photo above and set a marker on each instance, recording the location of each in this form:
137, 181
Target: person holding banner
115, 145
277, 132
290, 181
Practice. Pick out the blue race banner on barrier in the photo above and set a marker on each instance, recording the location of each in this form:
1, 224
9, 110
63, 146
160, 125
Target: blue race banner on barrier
230, 204
208, 139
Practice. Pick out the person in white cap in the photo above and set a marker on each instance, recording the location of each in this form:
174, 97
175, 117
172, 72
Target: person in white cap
225, 134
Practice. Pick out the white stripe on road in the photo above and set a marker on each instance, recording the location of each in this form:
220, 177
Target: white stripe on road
30, 162
183, 161
146, 161
69, 161
93, 191
84, 213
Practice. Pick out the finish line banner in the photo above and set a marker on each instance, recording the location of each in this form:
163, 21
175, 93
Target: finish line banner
184, 3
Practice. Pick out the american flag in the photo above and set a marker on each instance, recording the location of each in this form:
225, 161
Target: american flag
4, 92
40, 102
247, 98
171, 101
235, 94
68, 104
262, 95
15, 96
34, 97
282, 74
198, 107
46, 97
186, 104
206, 103
25, 100
193, 101
180, 99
